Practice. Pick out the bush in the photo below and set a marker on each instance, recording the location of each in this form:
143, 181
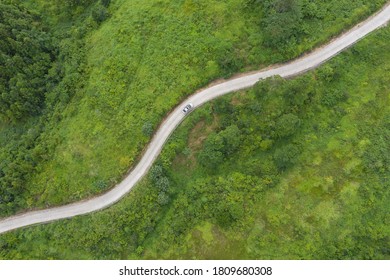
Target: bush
163, 198
156, 172
147, 128
162, 184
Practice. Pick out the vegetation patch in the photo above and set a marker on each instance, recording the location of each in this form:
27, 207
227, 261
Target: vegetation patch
107, 72
292, 169
314, 191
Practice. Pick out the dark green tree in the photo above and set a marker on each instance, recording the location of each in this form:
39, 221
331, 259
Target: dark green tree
220, 145
99, 13
286, 125
282, 22
211, 155
231, 138
286, 156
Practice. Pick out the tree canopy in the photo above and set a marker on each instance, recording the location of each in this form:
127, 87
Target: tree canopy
26, 53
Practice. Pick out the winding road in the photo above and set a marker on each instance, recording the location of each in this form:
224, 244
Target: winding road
295, 67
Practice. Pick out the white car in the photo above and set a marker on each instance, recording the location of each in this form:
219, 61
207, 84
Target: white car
188, 108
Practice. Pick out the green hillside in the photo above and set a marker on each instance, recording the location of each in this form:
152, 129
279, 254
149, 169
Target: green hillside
291, 169
116, 69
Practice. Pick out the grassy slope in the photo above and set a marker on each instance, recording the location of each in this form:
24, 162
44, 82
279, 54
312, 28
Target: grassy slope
140, 63
332, 202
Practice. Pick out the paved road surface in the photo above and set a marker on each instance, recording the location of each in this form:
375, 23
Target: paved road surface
292, 68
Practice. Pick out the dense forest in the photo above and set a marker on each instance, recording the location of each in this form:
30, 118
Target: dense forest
26, 55
291, 169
